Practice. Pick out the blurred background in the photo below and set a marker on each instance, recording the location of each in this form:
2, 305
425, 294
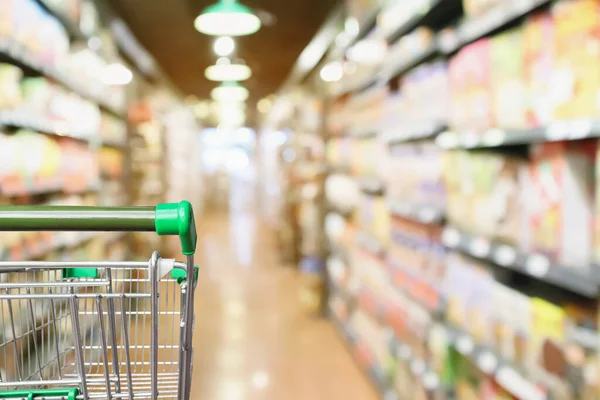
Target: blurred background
395, 199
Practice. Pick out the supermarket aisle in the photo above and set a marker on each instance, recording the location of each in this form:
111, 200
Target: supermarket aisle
252, 340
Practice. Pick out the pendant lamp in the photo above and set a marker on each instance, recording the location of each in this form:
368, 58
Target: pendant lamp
227, 18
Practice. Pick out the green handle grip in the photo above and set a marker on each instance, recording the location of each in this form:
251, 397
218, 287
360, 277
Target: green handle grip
164, 219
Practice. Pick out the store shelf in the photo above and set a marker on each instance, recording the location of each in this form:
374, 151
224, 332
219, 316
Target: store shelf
472, 30
118, 144
420, 132
420, 368
534, 265
554, 132
414, 21
58, 241
389, 72
27, 120
488, 361
420, 290
370, 244
30, 188
363, 357
422, 213
371, 185
16, 54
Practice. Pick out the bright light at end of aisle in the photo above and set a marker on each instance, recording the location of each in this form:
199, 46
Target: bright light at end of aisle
116, 74
332, 72
227, 18
224, 71
224, 46
368, 51
229, 92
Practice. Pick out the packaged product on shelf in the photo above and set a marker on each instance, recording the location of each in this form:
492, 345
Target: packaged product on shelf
366, 110
546, 361
558, 190
374, 217
54, 40
576, 82
406, 49
426, 94
479, 303
372, 339
420, 182
509, 99
457, 287
342, 192
483, 194
111, 162
511, 321
79, 166
10, 91
36, 95
469, 74
538, 43
476, 8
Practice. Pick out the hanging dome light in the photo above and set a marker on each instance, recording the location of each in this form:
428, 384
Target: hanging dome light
224, 70
227, 18
229, 91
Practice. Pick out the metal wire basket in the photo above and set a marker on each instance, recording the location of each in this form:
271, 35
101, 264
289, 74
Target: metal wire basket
98, 329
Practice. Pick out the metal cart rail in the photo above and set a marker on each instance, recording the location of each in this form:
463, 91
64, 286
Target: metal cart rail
98, 329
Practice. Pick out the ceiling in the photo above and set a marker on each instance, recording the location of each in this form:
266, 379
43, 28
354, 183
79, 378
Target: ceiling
165, 29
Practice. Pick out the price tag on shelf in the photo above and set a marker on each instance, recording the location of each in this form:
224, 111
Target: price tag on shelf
493, 137
504, 255
390, 395
404, 352
447, 140
427, 215
465, 345
469, 140
479, 247
518, 386
537, 265
417, 367
487, 362
431, 381
451, 237
580, 129
558, 130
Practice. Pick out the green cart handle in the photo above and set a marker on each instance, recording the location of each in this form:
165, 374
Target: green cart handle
164, 219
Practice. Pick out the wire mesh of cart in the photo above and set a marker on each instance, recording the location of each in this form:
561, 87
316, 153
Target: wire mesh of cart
98, 329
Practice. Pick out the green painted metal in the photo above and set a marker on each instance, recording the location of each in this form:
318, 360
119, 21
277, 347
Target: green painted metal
80, 273
178, 219
181, 275
70, 394
76, 218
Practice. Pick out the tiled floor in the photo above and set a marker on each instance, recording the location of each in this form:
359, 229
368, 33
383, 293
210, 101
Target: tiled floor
252, 339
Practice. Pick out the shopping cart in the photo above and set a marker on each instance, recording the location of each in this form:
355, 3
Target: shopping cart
98, 329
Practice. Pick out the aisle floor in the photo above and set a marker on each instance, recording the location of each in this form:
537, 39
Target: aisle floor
252, 339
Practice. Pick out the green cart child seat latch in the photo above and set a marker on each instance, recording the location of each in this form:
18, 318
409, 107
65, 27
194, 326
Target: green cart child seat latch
180, 274
70, 394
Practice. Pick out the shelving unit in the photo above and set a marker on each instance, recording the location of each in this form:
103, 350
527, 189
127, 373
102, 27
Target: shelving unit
421, 244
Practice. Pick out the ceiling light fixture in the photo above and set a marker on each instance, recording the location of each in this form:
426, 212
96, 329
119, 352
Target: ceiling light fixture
332, 72
224, 46
368, 51
227, 18
224, 70
229, 92
116, 74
